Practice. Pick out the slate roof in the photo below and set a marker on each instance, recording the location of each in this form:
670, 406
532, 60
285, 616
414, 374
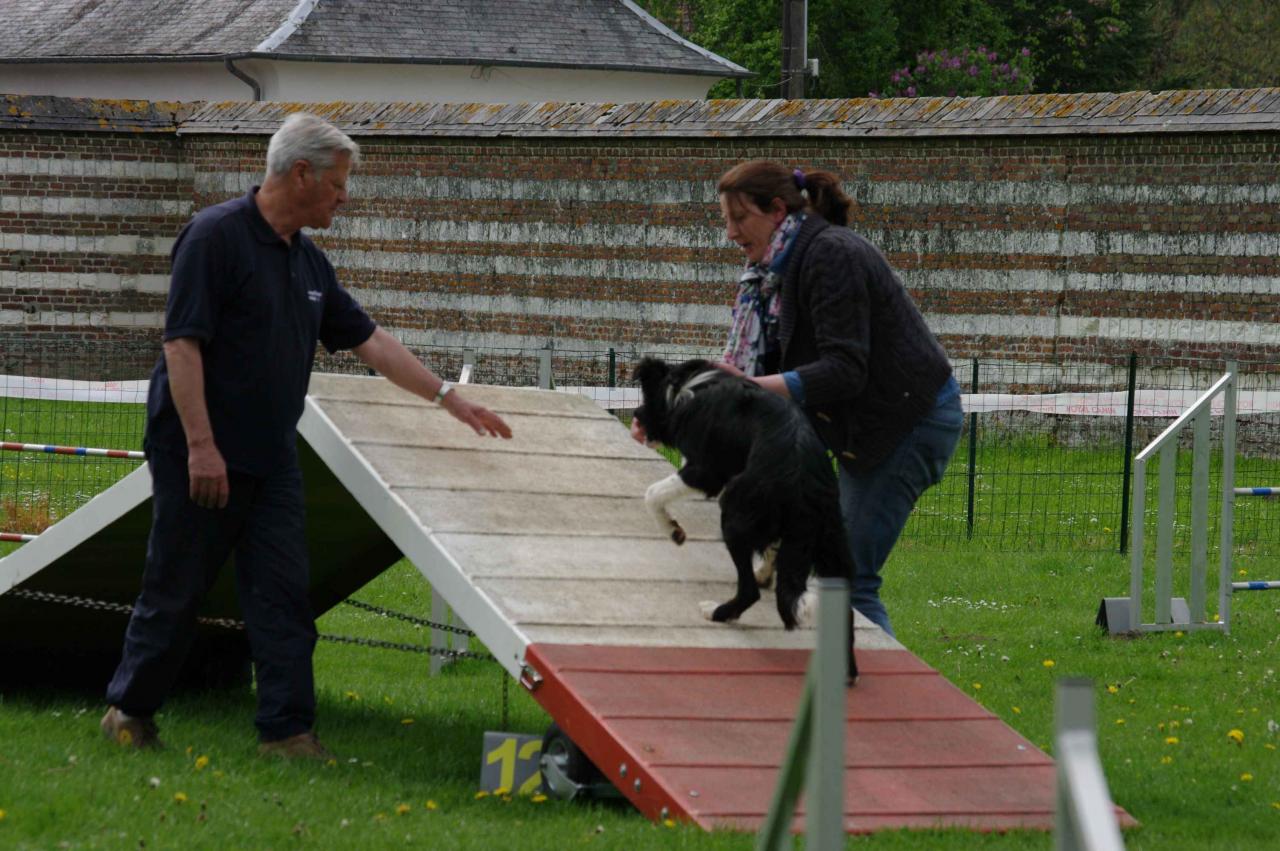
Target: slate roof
599, 34
1205, 111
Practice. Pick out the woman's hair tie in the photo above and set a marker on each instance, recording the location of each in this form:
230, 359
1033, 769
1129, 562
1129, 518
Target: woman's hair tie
799, 178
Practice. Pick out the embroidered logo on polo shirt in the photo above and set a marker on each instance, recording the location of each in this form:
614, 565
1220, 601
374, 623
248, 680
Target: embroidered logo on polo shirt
315, 295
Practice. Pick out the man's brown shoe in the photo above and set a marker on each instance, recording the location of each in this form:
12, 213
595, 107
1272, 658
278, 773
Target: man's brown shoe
301, 746
130, 732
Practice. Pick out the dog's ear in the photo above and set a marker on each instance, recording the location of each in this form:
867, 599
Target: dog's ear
650, 370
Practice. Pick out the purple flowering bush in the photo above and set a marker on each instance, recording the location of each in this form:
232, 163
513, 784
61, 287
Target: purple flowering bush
969, 72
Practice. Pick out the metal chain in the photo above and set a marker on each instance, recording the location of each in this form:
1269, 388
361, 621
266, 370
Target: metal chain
505, 703
231, 623
411, 648
378, 610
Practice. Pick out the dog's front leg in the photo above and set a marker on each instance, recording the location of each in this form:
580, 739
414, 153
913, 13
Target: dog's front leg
661, 494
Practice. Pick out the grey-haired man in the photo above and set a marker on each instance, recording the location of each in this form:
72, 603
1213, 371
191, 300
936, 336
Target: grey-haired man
250, 295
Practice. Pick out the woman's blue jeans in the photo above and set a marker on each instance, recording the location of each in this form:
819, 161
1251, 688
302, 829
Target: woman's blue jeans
875, 505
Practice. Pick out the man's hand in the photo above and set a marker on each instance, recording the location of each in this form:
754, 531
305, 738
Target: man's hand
480, 418
208, 472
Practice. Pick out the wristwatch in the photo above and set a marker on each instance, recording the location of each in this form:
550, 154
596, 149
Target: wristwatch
445, 389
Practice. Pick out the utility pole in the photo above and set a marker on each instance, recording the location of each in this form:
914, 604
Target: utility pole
795, 59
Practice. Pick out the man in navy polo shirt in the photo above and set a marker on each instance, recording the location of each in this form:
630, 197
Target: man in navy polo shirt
249, 297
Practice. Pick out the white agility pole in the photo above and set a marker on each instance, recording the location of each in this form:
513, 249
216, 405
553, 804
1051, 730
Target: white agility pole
51, 449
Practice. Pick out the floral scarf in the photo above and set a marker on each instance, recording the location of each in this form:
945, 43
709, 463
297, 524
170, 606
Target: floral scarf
754, 332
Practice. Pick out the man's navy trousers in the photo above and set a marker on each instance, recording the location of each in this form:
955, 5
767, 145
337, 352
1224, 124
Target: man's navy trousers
263, 525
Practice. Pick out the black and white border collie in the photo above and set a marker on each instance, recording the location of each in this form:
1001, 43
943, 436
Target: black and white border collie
777, 488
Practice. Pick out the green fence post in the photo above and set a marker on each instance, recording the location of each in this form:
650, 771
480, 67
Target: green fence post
973, 450
1126, 476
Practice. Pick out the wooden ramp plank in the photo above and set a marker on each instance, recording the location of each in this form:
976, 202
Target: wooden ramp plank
700, 734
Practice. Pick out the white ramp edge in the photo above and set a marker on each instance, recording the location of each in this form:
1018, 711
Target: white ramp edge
76, 528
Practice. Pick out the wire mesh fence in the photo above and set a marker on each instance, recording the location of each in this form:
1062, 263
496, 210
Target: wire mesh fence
1044, 462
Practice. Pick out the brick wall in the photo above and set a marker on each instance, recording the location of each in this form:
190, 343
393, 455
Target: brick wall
1024, 245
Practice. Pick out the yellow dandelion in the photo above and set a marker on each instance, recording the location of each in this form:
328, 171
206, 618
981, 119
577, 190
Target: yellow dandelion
977, 686
481, 794
1246, 778
431, 805
3, 814
1119, 721
1106, 528
1242, 572
402, 809
1177, 633
1171, 740
1269, 746
1275, 805
539, 798
202, 762
180, 797
332, 763
1160, 726
1113, 688
1048, 663
1236, 736
668, 822
1165, 760
506, 799
406, 721
351, 695
1017, 710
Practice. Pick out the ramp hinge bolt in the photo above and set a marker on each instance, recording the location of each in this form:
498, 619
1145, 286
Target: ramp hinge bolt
664, 814
529, 677
637, 784
622, 770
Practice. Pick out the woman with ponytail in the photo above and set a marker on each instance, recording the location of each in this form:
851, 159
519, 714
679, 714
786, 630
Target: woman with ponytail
821, 318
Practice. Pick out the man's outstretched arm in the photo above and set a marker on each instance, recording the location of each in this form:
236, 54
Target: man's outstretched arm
388, 356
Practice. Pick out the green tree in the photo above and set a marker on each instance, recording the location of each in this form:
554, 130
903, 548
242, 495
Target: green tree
1074, 45
1203, 44
1083, 45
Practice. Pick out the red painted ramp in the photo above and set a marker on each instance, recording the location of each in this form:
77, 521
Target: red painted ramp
699, 734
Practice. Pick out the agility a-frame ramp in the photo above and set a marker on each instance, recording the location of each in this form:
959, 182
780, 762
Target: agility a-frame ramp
542, 545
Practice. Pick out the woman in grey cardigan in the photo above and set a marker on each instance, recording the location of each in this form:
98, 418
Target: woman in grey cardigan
821, 318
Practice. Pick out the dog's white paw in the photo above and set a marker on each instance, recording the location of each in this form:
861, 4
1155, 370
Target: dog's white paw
807, 609
764, 570
708, 609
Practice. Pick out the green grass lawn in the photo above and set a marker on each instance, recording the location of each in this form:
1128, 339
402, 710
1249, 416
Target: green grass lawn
409, 746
